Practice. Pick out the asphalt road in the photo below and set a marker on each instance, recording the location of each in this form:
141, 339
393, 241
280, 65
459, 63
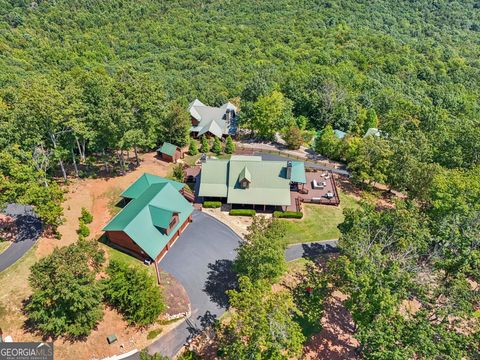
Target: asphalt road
266, 156
29, 229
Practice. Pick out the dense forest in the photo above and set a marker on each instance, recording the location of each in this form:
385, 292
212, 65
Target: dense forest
84, 84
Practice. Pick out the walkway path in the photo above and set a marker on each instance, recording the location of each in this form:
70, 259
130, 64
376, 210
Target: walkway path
29, 228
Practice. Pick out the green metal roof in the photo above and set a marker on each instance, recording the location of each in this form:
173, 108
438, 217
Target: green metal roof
213, 178
160, 217
269, 184
298, 172
145, 217
167, 148
245, 175
144, 181
339, 134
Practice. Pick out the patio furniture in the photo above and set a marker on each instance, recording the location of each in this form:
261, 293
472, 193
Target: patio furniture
329, 195
316, 185
316, 199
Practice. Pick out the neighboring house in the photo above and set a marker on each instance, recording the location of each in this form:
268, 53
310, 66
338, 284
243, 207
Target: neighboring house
212, 121
155, 215
169, 152
339, 134
249, 180
372, 131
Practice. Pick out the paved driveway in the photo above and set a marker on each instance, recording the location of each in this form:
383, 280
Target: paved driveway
201, 260
29, 228
266, 156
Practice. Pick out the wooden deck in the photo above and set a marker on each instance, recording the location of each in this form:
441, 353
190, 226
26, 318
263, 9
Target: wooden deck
316, 196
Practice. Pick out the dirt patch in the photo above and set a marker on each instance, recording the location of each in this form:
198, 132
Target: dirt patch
94, 195
239, 224
176, 296
336, 340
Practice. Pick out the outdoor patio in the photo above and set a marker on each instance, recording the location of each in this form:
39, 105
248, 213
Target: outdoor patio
325, 184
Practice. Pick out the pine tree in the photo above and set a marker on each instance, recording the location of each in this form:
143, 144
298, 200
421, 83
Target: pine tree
205, 145
192, 148
217, 146
229, 146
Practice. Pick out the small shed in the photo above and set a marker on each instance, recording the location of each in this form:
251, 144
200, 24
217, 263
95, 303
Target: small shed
169, 152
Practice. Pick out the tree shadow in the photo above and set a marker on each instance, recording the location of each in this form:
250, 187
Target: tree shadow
313, 251
29, 227
220, 278
204, 322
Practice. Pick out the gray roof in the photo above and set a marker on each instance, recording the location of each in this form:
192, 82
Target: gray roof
211, 119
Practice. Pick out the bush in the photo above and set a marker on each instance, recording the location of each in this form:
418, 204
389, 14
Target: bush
83, 230
153, 333
288, 214
212, 204
86, 217
134, 292
242, 212
178, 172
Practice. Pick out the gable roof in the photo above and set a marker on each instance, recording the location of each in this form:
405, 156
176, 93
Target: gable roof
211, 119
144, 219
372, 131
269, 184
144, 181
167, 148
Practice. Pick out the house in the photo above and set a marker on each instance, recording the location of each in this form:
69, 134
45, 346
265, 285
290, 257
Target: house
154, 216
249, 180
372, 132
169, 152
212, 121
339, 134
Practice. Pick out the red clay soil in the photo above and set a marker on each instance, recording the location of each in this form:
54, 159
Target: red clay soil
336, 340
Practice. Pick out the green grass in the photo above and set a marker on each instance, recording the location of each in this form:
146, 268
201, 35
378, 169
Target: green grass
153, 334
4, 245
117, 255
319, 222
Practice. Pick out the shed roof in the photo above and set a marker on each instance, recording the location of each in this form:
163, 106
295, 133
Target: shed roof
167, 148
298, 172
144, 218
214, 178
144, 181
339, 134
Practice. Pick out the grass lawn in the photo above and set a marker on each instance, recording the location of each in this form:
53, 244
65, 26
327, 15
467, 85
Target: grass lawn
114, 254
4, 245
114, 198
319, 221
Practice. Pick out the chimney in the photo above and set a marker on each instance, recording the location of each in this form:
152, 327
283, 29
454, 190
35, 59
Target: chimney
289, 169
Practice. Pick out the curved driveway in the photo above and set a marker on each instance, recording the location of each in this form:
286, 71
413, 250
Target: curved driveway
201, 260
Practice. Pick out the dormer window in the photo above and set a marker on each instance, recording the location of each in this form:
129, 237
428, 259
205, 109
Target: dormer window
245, 178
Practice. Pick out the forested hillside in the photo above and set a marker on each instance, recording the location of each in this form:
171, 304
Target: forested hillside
83, 77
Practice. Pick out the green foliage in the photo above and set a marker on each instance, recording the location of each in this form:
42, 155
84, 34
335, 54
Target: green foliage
288, 214
261, 255
212, 204
371, 120
217, 146
86, 217
144, 355
242, 212
205, 146
261, 325
309, 296
177, 172
189, 355
83, 230
229, 145
269, 114
192, 148
293, 138
152, 334
22, 181
134, 292
66, 298
176, 127
327, 144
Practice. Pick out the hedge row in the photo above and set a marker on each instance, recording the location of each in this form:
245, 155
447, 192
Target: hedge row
288, 214
242, 212
212, 204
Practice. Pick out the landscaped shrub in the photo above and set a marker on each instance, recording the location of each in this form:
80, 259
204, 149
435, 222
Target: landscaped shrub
242, 212
86, 217
212, 204
83, 230
288, 214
